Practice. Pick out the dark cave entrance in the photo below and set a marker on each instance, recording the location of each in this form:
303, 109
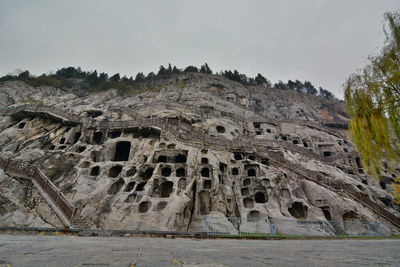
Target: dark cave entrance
122, 151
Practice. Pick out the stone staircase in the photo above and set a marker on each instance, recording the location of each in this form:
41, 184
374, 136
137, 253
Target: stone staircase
52, 195
185, 132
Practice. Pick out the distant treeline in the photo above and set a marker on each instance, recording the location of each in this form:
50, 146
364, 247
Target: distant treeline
92, 80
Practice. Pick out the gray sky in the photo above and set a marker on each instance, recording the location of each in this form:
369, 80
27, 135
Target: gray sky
323, 41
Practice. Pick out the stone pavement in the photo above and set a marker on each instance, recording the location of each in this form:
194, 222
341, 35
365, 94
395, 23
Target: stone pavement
34, 250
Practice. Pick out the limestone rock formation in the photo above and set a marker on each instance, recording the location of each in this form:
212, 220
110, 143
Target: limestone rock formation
190, 146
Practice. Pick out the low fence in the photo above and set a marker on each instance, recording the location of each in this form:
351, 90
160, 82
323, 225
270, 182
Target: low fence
232, 226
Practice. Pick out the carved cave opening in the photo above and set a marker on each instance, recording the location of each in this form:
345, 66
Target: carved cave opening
147, 173
144, 206
166, 189
129, 187
166, 171
298, 210
122, 151
97, 138
180, 172
116, 186
180, 158
205, 172
260, 197
115, 171
95, 171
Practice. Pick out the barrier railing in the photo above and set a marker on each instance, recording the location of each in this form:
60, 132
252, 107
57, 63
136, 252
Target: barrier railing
194, 135
233, 226
27, 171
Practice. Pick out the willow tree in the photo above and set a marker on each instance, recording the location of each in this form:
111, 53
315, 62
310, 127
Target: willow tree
373, 102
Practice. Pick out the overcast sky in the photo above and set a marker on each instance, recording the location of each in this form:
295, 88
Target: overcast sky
323, 41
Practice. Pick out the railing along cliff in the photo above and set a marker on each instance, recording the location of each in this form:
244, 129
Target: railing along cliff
55, 198
246, 143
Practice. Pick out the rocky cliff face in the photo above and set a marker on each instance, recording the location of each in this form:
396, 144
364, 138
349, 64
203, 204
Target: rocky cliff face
191, 145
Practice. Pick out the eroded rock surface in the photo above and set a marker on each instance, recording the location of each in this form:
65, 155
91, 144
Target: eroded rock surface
147, 177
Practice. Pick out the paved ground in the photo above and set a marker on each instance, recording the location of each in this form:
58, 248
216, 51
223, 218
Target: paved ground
29, 250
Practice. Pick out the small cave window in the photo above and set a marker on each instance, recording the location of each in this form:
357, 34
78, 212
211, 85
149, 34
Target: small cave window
220, 129
257, 124
222, 167
62, 147
238, 156
245, 191
180, 172
305, 144
81, 149
115, 171
251, 172
284, 137
144, 206
358, 162
94, 113
295, 142
166, 171
97, 137
387, 201
67, 129
265, 162
147, 174
258, 132
52, 147
162, 205
115, 187
251, 157
162, 158
364, 181
207, 184
131, 197
204, 160
327, 153
248, 202
21, 125
260, 197
383, 185
171, 146
235, 171
166, 189
122, 151
95, 171
161, 145
115, 134
95, 156
131, 172
140, 187
254, 214
77, 136
205, 172
298, 210
129, 187
350, 216
327, 213
62, 140
246, 182
180, 158
268, 130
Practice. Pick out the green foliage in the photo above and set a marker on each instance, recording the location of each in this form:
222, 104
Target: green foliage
92, 81
373, 102
205, 69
